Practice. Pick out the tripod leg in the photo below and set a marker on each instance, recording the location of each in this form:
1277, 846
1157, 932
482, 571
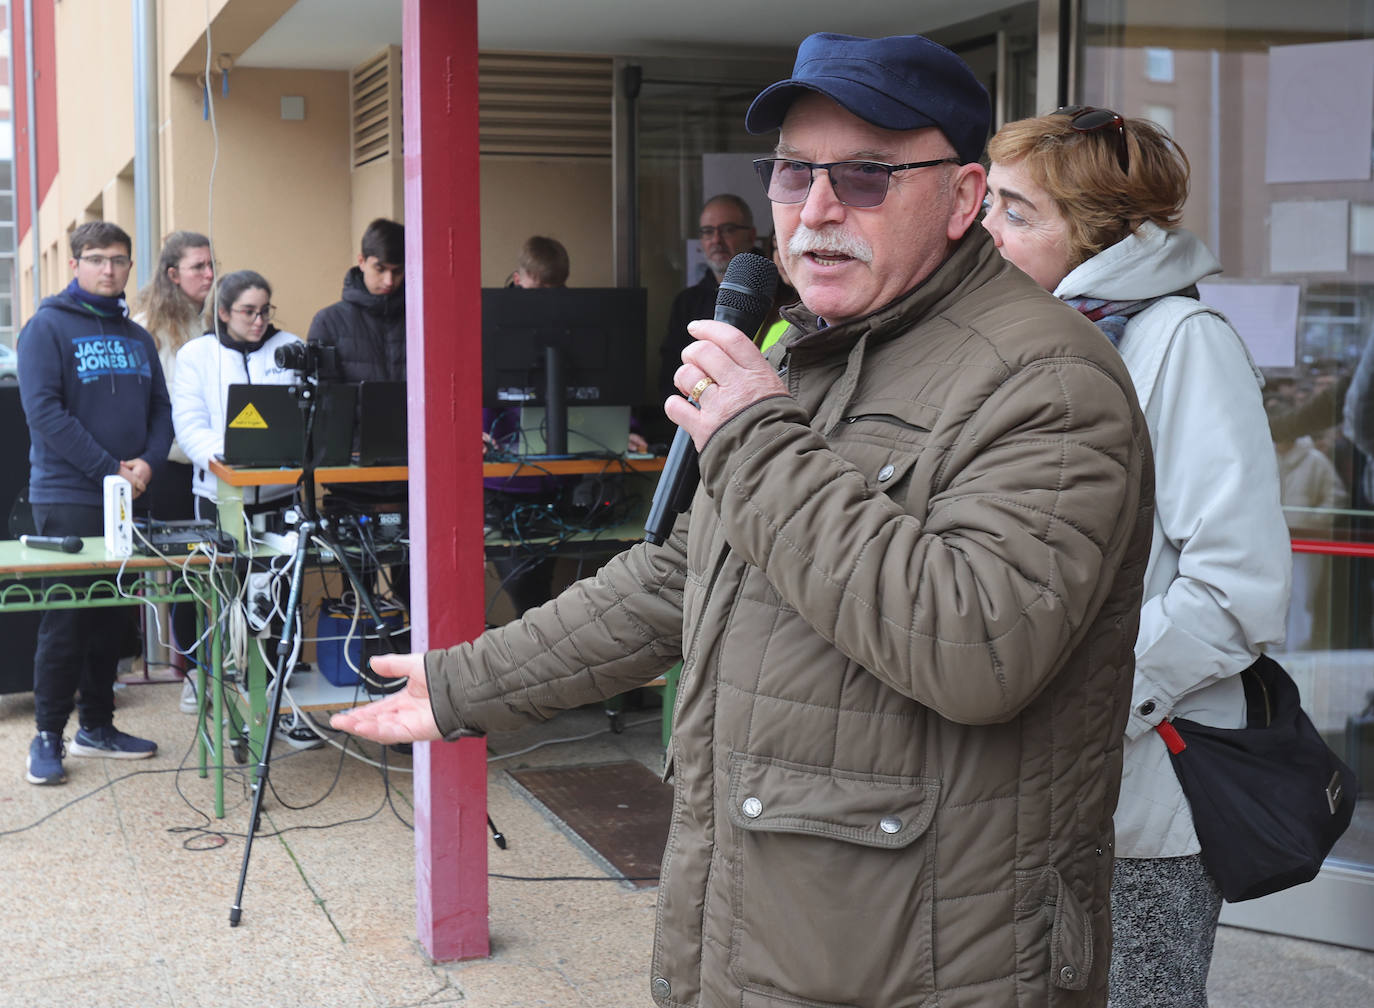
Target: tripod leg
278, 686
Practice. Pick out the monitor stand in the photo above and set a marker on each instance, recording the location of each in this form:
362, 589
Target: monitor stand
555, 405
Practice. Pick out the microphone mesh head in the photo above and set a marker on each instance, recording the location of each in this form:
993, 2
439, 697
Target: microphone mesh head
749, 284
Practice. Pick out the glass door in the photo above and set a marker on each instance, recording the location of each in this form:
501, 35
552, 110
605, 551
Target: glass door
1272, 103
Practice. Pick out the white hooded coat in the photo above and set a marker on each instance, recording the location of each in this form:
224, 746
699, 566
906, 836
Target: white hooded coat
1217, 584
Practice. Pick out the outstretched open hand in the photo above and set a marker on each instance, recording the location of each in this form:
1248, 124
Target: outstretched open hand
403, 716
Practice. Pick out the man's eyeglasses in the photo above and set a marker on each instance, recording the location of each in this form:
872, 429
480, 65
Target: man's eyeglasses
856, 183
249, 312
99, 262
726, 231
1087, 119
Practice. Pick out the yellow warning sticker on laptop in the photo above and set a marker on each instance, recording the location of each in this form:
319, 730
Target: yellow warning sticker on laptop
249, 419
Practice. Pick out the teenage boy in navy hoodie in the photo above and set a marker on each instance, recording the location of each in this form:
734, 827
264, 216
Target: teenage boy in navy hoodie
96, 405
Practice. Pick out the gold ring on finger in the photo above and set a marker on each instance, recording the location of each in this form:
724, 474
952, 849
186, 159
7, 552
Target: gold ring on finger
701, 387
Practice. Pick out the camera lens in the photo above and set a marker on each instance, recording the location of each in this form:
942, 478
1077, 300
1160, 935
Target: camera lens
292, 356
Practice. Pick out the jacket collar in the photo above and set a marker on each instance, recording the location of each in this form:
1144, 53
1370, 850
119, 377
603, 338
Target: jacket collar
1148, 263
355, 292
243, 346
973, 262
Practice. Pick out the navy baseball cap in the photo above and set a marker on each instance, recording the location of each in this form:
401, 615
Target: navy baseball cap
902, 82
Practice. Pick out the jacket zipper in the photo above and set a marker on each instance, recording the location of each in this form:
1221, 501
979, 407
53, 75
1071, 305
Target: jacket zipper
690, 651
888, 418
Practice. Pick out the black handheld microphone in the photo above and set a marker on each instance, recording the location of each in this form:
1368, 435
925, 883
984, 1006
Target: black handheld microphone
743, 300
63, 544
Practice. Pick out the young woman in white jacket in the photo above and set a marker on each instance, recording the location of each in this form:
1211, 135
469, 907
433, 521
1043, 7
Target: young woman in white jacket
1088, 204
242, 349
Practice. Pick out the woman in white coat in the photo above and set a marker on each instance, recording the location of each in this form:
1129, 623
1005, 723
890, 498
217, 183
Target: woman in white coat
1088, 204
242, 349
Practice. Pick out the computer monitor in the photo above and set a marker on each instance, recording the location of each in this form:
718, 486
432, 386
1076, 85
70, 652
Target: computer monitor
557, 347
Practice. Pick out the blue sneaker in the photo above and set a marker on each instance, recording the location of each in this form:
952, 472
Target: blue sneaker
111, 743
45, 759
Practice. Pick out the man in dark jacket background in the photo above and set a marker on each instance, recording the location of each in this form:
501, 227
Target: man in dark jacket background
726, 229
96, 405
364, 332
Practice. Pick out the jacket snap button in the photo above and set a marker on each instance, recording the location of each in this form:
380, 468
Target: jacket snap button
1068, 974
885, 473
661, 988
890, 824
752, 807
1147, 708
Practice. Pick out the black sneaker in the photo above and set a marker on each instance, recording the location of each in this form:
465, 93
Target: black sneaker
109, 742
297, 734
45, 759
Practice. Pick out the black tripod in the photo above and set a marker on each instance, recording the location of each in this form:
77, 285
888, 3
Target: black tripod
311, 527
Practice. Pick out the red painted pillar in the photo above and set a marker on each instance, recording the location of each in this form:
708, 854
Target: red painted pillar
443, 284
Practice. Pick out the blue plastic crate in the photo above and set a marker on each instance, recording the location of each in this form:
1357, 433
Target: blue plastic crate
331, 629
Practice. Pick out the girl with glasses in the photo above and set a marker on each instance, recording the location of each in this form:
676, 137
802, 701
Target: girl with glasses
242, 348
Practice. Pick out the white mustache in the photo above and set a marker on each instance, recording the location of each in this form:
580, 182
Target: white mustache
831, 238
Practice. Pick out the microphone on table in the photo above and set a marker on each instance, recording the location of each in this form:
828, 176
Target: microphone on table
743, 300
63, 544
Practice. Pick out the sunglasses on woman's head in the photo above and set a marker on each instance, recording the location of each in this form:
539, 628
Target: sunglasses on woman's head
1087, 119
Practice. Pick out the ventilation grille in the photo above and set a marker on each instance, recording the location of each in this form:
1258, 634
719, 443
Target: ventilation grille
375, 104
545, 106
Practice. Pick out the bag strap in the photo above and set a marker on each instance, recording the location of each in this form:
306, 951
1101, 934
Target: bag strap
1173, 741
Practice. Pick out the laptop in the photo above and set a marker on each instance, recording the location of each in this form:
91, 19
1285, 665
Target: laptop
382, 423
592, 430
265, 425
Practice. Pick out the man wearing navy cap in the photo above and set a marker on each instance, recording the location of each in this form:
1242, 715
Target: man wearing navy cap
906, 592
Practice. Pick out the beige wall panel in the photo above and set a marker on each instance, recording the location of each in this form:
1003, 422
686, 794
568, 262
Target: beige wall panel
181, 24
117, 206
54, 273
378, 190
234, 26
567, 200
281, 201
95, 127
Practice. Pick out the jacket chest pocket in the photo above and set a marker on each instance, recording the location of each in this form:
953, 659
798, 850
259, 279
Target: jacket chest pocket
834, 860
886, 441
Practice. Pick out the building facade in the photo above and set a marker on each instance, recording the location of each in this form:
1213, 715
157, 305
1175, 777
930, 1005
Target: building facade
278, 130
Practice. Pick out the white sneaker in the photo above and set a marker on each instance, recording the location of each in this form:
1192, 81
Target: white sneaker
188, 695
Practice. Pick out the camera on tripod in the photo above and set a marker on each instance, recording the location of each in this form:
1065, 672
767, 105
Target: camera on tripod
308, 359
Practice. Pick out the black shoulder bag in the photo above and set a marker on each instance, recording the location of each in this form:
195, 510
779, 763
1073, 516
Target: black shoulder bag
1269, 800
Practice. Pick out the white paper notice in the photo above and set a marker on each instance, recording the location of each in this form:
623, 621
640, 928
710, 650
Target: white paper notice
1321, 112
1362, 228
1265, 316
1309, 236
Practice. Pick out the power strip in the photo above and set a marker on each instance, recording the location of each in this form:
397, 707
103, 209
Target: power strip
284, 544
258, 603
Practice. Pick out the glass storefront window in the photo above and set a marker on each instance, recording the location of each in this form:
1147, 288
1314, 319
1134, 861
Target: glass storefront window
1274, 105
692, 145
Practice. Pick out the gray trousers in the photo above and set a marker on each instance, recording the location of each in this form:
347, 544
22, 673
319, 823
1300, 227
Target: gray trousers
1164, 921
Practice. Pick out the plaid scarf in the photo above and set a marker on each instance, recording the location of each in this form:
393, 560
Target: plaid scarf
1111, 316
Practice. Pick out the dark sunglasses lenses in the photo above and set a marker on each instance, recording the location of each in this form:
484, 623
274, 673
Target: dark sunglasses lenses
784, 181
856, 183
1095, 119
860, 183
1086, 119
